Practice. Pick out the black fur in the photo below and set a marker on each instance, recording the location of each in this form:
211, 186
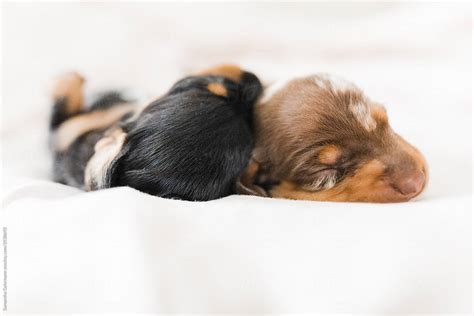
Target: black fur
69, 165
189, 144
59, 113
109, 99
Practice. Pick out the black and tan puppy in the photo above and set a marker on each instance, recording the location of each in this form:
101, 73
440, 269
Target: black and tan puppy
321, 138
192, 143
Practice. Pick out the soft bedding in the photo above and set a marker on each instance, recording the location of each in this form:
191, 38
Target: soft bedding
120, 250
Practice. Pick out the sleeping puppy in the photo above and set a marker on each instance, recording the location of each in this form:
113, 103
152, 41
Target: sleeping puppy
192, 143
320, 138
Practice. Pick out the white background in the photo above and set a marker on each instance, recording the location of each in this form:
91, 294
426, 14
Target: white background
121, 250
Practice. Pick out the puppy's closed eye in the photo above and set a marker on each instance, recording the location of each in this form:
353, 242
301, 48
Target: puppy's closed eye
323, 179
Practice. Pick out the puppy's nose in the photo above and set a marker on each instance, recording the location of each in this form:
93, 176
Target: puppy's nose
410, 185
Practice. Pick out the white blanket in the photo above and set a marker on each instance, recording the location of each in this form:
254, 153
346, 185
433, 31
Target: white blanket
122, 250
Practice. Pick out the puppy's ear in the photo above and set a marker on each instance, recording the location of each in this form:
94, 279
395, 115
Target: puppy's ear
246, 182
101, 168
251, 88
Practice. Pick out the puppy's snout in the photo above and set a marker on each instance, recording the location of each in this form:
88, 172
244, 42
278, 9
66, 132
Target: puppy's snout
410, 184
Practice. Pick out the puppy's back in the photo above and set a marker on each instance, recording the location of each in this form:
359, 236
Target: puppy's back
194, 142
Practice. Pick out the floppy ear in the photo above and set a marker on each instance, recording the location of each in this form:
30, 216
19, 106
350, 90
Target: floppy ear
246, 182
102, 165
251, 88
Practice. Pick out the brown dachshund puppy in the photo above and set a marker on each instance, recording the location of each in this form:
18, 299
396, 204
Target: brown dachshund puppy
320, 138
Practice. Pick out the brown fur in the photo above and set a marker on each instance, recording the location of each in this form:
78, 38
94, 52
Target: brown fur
306, 128
364, 186
380, 115
244, 184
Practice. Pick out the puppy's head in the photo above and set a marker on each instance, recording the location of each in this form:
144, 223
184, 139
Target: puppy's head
320, 138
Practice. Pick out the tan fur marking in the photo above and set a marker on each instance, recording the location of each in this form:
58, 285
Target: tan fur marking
71, 129
106, 149
228, 71
70, 86
217, 89
329, 154
363, 186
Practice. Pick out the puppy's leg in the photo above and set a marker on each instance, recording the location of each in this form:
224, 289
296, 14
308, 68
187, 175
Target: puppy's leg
247, 183
68, 98
70, 118
75, 130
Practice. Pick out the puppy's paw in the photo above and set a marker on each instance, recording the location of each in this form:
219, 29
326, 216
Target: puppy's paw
69, 87
67, 84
